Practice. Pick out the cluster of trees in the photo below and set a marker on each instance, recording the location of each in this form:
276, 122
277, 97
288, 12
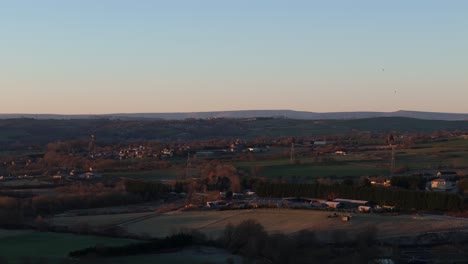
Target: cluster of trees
177, 241
409, 182
14, 209
405, 199
250, 240
45, 205
147, 190
222, 177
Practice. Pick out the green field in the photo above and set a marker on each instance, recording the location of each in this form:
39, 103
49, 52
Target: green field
309, 169
153, 175
51, 247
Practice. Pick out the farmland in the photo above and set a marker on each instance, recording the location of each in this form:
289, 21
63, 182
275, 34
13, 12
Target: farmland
185, 164
278, 220
308, 168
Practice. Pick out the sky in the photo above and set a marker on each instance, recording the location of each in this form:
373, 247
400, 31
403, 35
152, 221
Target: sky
134, 56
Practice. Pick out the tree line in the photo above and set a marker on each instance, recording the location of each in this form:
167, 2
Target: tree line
254, 244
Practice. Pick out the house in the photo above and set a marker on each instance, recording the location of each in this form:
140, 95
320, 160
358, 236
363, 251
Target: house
216, 204
249, 193
385, 183
167, 153
364, 209
447, 174
254, 150
212, 204
443, 185
333, 204
237, 195
320, 143
88, 176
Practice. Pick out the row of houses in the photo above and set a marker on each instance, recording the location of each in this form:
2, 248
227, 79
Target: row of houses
81, 176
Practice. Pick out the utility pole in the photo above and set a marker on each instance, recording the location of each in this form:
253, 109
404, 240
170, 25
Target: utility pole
392, 142
292, 154
392, 163
91, 144
187, 169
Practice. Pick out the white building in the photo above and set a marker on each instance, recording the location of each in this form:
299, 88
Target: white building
443, 185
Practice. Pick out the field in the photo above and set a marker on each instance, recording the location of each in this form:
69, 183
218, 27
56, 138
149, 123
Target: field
18, 246
451, 154
196, 255
290, 221
96, 220
286, 221
151, 175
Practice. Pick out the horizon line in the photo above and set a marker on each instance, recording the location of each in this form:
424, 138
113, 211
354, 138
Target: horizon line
225, 111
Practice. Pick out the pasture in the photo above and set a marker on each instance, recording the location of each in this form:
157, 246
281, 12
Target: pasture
151, 175
96, 221
372, 162
291, 221
212, 223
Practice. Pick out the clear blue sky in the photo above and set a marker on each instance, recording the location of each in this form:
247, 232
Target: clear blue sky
109, 56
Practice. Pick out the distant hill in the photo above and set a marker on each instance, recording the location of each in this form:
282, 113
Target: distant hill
23, 132
291, 114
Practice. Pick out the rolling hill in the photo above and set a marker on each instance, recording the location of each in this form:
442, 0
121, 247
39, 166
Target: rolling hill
23, 132
290, 114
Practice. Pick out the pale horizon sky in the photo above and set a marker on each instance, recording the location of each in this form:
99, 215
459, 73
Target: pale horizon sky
123, 56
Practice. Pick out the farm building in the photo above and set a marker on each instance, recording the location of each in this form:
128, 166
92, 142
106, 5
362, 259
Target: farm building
443, 185
267, 202
297, 202
333, 204
216, 204
340, 152
364, 209
320, 143
354, 203
447, 174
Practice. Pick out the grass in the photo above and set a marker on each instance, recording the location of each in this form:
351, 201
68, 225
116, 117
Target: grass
52, 247
9, 233
156, 175
307, 172
195, 255
23, 183
446, 154
309, 169
96, 220
289, 221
